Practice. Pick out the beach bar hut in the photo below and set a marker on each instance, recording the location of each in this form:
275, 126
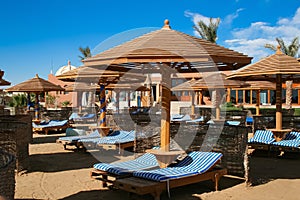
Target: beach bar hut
276, 68
167, 52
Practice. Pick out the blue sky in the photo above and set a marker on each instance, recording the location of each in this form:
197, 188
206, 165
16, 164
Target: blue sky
38, 36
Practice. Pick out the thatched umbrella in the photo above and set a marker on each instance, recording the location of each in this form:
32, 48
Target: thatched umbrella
187, 86
2, 81
81, 88
277, 68
165, 51
217, 81
103, 78
35, 85
117, 87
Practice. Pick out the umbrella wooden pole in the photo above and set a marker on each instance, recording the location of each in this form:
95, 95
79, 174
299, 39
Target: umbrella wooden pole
102, 118
118, 101
28, 101
228, 97
200, 97
278, 102
165, 105
79, 95
218, 111
128, 99
257, 102
36, 106
193, 105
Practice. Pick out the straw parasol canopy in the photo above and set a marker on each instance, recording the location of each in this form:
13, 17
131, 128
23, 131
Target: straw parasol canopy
164, 51
35, 85
81, 86
2, 81
277, 68
185, 86
104, 77
127, 87
217, 81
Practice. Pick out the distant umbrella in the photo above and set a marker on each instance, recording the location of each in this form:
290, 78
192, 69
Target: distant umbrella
35, 85
2, 81
276, 68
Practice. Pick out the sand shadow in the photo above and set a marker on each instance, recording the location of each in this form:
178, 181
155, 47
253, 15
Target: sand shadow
69, 160
46, 139
267, 166
187, 192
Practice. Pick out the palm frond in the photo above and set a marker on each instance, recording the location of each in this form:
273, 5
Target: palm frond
208, 31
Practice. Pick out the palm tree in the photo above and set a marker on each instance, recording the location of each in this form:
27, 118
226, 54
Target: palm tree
86, 53
208, 31
290, 50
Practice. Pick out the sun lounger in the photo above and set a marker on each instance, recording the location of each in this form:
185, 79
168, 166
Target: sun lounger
261, 139
50, 125
290, 143
233, 123
197, 120
265, 140
118, 140
88, 117
107, 173
73, 140
195, 167
180, 118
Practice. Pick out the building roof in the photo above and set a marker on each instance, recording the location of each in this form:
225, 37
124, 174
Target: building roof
65, 69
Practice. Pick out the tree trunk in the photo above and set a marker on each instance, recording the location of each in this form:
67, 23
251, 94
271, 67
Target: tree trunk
289, 93
214, 98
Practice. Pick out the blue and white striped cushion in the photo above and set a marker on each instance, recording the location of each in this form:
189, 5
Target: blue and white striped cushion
93, 135
51, 123
123, 137
233, 123
182, 119
114, 138
199, 161
143, 162
292, 139
262, 137
164, 174
194, 163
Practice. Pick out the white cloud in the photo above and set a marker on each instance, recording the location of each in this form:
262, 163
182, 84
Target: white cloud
251, 40
254, 48
196, 17
227, 21
229, 18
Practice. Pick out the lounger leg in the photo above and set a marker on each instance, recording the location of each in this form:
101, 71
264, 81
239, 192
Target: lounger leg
104, 183
216, 180
156, 195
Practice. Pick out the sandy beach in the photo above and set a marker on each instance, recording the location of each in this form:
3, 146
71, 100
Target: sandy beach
56, 173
